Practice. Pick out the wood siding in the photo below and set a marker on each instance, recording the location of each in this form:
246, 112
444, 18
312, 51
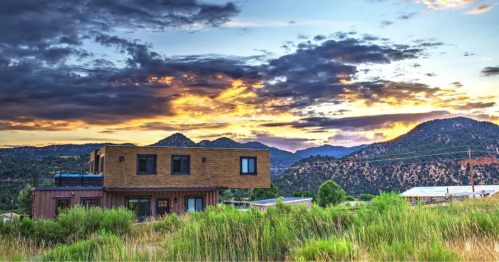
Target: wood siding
44, 201
223, 165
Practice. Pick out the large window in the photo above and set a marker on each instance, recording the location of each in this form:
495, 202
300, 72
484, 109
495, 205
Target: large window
92, 166
102, 164
61, 204
146, 164
141, 206
194, 204
181, 165
248, 165
90, 201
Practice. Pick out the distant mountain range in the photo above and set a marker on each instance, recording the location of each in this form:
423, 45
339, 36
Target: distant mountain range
429, 155
328, 150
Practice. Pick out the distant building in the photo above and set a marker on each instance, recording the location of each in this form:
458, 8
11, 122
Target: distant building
440, 193
262, 205
8, 216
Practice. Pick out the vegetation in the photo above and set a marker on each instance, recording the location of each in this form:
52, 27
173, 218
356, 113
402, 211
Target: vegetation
366, 197
306, 194
349, 198
389, 230
330, 194
264, 193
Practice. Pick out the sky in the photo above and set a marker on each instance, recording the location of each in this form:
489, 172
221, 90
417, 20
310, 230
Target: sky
291, 74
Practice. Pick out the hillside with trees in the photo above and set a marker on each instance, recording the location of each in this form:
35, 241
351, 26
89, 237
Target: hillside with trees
432, 154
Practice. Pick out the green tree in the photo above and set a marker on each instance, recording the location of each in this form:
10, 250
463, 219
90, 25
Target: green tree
330, 193
264, 193
226, 195
366, 197
24, 200
305, 194
349, 198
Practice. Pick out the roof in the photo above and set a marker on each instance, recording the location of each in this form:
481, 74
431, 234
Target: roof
193, 147
8, 215
66, 188
76, 175
164, 188
438, 191
269, 202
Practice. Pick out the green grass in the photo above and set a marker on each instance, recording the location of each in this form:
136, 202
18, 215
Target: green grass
389, 230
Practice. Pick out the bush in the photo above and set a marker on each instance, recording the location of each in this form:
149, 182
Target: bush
330, 193
26, 227
324, 250
366, 197
118, 221
349, 198
86, 250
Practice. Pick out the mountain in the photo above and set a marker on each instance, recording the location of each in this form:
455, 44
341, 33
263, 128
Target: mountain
54, 150
328, 150
434, 153
176, 140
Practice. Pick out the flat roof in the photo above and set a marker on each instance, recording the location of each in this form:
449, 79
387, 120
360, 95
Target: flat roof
436, 191
235, 148
66, 188
76, 175
268, 202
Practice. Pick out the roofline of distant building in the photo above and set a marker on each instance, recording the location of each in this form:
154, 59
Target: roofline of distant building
66, 188
197, 147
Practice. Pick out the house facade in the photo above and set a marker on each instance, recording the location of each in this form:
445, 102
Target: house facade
155, 180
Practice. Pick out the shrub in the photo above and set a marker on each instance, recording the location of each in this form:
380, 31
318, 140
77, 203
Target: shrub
330, 193
117, 221
26, 227
349, 198
324, 250
86, 250
366, 197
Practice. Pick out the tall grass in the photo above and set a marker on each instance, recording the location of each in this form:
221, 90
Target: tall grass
390, 229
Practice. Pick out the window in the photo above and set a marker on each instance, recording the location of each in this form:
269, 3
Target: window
248, 165
90, 201
96, 164
194, 204
102, 164
163, 207
62, 203
141, 206
181, 165
92, 166
146, 164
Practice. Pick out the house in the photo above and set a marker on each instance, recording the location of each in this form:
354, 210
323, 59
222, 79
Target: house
440, 193
155, 180
262, 205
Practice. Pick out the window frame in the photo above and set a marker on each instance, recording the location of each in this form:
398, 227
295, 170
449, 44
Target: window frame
57, 200
102, 166
155, 164
182, 173
241, 165
186, 202
139, 198
92, 166
90, 198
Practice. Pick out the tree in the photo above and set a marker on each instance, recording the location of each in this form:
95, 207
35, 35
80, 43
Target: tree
330, 193
349, 198
226, 195
366, 197
305, 194
24, 200
264, 193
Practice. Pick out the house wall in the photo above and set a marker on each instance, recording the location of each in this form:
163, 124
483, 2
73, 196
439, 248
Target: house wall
223, 165
44, 201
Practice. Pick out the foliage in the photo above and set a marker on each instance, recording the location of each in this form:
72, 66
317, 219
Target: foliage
330, 194
225, 195
324, 250
366, 197
349, 198
306, 194
24, 200
264, 193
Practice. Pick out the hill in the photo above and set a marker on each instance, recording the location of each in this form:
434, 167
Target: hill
328, 150
429, 155
54, 150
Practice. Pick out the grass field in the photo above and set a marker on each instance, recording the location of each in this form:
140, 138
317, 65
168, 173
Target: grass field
389, 229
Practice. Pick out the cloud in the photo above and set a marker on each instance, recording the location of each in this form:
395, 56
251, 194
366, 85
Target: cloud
456, 84
162, 126
361, 123
386, 23
355, 139
446, 4
490, 71
481, 9
291, 144
487, 58
474, 105
407, 16
468, 54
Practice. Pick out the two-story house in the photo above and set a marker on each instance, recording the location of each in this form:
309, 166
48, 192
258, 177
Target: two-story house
155, 180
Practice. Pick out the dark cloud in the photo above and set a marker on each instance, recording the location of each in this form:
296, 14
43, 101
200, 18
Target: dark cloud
407, 16
432, 74
474, 105
490, 71
319, 37
162, 126
302, 36
468, 54
43, 126
386, 23
362, 123
291, 144
456, 84
291, 22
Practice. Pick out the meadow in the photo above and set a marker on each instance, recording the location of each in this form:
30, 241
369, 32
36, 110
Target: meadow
389, 229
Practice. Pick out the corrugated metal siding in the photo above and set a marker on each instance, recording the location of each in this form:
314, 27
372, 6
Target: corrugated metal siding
44, 202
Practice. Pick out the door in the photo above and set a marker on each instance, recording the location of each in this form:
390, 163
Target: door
163, 207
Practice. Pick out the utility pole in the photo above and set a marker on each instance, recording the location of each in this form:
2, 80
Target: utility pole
471, 170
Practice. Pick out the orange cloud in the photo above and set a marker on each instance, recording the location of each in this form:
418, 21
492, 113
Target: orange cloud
446, 4
480, 9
